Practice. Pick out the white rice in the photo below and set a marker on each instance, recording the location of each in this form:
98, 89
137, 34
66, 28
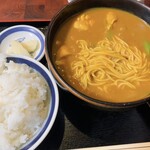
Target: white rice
23, 109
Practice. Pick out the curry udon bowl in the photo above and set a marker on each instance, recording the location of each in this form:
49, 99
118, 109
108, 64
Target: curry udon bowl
102, 25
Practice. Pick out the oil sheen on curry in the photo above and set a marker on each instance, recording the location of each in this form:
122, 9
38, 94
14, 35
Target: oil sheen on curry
105, 54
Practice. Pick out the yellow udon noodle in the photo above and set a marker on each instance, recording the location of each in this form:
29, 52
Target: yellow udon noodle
110, 62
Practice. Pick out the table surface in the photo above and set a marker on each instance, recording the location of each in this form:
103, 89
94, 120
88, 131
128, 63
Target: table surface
29, 10
80, 126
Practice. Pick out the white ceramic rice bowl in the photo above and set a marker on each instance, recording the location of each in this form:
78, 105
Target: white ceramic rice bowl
54, 100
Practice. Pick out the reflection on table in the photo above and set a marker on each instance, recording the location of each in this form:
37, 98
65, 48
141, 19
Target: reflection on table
87, 127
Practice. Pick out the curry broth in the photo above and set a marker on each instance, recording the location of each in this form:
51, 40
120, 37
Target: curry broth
128, 27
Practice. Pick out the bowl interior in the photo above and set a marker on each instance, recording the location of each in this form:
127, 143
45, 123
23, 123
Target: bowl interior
75, 7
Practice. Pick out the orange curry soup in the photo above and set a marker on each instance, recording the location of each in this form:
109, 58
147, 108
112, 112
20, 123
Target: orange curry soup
94, 25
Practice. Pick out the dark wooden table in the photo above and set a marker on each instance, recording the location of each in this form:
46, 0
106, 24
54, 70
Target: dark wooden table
29, 10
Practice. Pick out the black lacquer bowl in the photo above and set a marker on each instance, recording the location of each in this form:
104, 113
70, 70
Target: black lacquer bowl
71, 9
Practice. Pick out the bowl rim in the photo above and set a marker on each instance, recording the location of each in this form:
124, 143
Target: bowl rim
18, 28
58, 77
54, 103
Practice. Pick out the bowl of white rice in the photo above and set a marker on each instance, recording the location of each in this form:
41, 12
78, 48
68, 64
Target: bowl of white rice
29, 102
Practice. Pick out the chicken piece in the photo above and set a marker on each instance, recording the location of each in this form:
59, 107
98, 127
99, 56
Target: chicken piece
62, 52
83, 22
111, 18
60, 62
